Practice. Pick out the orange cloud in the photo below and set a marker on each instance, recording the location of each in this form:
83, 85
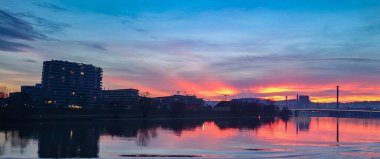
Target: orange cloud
213, 89
274, 90
322, 93
116, 82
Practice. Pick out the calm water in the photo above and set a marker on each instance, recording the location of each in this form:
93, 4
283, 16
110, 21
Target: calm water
301, 137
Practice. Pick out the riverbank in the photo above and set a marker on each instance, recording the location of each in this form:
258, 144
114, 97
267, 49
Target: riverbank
38, 114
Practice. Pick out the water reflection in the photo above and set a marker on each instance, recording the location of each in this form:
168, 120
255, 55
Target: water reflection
81, 139
303, 123
68, 141
14, 140
221, 137
337, 131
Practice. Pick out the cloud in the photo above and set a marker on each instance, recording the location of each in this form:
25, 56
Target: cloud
275, 70
93, 45
30, 60
12, 27
12, 46
263, 61
51, 6
15, 30
294, 58
44, 26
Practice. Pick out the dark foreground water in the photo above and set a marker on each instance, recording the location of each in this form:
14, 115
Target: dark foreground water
301, 137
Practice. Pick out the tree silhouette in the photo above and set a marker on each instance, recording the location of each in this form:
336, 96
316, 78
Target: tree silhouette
3, 92
145, 94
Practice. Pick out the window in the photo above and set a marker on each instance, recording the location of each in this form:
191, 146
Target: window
50, 102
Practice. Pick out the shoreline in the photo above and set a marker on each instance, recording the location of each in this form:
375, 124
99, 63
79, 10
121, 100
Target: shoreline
36, 114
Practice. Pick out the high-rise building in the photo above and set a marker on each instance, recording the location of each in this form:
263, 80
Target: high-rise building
69, 84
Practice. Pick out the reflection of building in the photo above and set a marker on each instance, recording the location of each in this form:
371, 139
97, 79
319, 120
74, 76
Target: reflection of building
71, 84
125, 98
303, 123
191, 102
304, 101
68, 142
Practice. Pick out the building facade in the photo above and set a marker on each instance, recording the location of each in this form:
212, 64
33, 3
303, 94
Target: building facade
191, 102
120, 98
34, 93
70, 84
259, 101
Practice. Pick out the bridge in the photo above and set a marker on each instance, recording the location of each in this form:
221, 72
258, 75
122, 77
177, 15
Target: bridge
336, 112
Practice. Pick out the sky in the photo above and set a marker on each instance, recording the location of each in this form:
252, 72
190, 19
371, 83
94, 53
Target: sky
243, 48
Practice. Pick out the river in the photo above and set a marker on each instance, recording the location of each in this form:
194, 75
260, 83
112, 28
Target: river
296, 137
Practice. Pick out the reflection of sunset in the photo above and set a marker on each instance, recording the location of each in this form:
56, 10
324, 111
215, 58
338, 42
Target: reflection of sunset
229, 137
293, 136
321, 129
319, 132
210, 129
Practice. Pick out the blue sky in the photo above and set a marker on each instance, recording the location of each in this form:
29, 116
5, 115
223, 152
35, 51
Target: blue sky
258, 48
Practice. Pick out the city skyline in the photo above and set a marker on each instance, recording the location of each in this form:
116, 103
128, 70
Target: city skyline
207, 48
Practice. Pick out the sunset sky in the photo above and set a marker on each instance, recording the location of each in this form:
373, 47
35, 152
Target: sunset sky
252, 48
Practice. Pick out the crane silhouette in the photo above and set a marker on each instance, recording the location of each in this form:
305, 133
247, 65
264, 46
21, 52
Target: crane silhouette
177, 92
225, 96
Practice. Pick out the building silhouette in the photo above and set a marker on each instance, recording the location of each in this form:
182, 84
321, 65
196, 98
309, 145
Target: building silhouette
191, 102
34, 93
304, 101
259, 101
120, 98
69, 84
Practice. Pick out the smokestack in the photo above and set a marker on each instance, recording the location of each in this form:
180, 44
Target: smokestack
286, 101
337, 97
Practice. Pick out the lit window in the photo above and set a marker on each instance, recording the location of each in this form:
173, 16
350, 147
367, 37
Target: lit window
75, 106
82, 73
50, 102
